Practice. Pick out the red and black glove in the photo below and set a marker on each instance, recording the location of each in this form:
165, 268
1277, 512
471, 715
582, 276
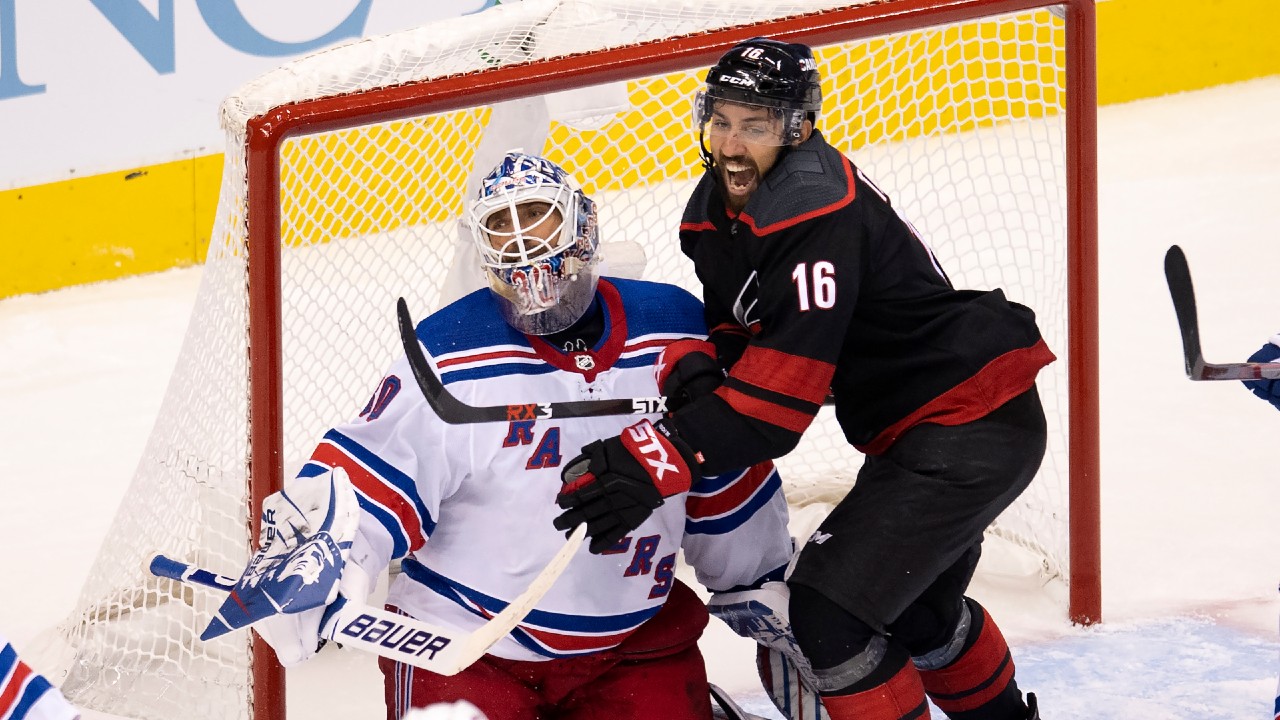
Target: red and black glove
686, 370
615, 484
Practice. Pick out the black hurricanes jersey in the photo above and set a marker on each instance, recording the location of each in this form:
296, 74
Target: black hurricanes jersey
819, 287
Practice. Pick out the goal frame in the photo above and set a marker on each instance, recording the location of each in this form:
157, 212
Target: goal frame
267, 132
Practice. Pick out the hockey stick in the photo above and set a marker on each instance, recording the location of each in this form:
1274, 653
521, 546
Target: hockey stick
441, 650
726, 708
1178, 275
455, 412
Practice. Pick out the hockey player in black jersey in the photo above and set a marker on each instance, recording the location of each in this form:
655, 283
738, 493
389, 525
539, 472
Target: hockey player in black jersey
813, 285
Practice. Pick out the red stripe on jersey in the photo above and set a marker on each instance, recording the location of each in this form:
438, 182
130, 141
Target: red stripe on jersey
480, 357
376, 489
850, 193
731, 329
998, 382
786, 374
17, 680
565, 643
765, 411
697, 227
610, 349
731, 496
661, 343
562, 643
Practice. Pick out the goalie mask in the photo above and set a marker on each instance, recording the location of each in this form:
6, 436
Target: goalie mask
537, 238
781, 77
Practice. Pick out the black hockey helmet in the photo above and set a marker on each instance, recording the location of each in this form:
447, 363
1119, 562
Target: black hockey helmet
766, 72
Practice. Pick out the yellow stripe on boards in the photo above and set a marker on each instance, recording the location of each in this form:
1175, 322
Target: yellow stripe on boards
102, 227
1149, 48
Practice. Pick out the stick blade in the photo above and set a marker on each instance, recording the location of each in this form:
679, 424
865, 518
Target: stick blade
1178, 276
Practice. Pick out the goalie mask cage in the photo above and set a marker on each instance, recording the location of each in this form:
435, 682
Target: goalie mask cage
345, 176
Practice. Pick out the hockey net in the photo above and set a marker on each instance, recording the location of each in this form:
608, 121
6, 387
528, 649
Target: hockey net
345, 176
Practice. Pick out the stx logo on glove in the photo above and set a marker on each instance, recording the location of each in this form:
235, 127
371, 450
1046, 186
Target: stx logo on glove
649, 446
394, 636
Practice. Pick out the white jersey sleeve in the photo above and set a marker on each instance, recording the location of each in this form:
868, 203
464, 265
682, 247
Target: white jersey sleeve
736, 532
393, 451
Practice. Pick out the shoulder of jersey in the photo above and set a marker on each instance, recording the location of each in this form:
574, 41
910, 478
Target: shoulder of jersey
812, 180
695, 211
467, 323
653, 307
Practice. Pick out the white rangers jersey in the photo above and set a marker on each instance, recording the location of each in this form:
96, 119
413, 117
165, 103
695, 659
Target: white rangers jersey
470, 507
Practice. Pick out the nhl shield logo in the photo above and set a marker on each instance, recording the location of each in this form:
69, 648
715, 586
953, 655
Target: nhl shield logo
584, 362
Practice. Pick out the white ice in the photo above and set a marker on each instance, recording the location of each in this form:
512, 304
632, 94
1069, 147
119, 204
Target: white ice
1188, 469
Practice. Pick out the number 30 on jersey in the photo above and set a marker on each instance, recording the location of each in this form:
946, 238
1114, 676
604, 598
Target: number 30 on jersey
817, 286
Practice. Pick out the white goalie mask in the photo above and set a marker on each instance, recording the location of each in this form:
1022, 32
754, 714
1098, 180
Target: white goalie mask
537, 238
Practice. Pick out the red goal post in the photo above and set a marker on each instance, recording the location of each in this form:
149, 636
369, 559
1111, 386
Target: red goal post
344, 179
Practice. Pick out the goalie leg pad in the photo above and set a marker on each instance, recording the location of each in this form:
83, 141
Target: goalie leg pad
763, 614
790, 691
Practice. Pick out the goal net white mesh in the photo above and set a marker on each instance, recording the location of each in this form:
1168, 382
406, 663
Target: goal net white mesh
962, 124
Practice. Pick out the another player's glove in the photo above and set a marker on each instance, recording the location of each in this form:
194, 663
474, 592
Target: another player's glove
686, 370
1268, 390
615, 484
300, 567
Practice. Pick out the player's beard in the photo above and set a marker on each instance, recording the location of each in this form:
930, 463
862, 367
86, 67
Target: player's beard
739, 178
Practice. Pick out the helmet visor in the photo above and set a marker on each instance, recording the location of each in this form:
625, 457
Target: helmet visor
754, 123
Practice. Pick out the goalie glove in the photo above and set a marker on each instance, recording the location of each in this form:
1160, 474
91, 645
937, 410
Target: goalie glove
1268, 390
686, 370
615, 484
300, 567
762, 614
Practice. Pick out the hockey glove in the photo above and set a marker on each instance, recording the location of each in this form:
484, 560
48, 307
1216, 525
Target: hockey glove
686, 370
1268, 390
615, 484
300, 567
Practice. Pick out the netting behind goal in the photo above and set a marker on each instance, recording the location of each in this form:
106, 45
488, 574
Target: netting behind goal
345, 176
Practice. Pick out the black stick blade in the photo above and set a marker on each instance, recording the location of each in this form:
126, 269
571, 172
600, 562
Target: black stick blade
1178, 275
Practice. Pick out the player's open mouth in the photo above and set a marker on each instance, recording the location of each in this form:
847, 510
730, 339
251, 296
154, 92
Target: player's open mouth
739, 177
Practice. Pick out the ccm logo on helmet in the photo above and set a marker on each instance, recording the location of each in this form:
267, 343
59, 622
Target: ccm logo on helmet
735, 80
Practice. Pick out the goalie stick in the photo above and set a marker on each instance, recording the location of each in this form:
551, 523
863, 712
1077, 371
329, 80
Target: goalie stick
1178, 276
455, 412
726, 708
441, 650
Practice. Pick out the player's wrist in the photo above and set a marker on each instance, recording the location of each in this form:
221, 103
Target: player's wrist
687, 370
667, 429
